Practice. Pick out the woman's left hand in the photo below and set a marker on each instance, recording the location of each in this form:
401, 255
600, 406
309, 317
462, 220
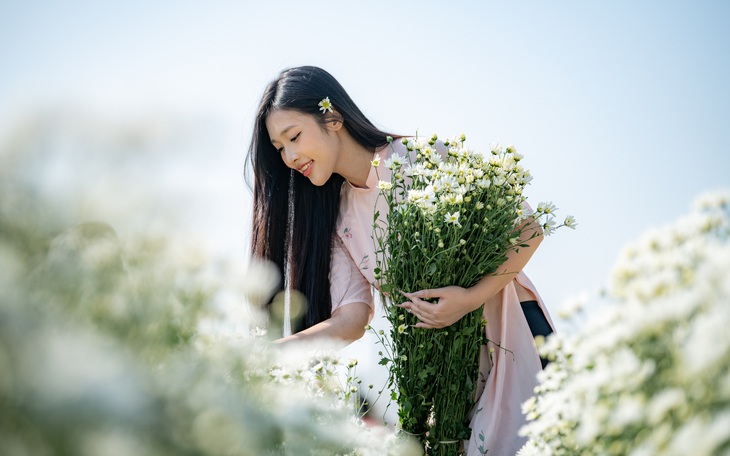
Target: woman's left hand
453, 303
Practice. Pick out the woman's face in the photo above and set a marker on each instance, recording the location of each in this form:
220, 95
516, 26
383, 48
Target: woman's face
304, 144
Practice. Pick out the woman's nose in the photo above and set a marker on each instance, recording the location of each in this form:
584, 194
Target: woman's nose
290, 157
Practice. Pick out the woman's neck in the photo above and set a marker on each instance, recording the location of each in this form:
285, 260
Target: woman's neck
354, 162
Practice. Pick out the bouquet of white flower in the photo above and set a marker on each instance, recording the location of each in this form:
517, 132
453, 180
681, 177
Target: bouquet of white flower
452, 219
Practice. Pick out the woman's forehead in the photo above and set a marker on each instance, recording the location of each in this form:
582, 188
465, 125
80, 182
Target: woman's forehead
281, 120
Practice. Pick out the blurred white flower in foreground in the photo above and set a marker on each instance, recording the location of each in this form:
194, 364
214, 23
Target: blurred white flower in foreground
110, 338
650, 373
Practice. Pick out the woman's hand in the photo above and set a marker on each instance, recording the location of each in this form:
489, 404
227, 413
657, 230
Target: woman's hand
453, 303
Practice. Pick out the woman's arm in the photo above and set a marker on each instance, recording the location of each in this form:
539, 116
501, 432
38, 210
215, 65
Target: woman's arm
455, 302
347, 324
352, 302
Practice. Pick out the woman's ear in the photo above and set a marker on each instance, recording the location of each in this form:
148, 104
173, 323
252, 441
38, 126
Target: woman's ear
333, 121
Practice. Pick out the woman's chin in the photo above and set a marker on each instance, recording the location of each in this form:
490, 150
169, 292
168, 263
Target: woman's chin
317, 180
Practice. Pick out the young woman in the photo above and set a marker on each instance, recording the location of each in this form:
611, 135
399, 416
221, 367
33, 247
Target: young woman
314, 201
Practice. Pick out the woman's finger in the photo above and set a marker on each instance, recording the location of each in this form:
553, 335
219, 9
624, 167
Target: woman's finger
409, 306
429, 325
424, 312
425, 294
425, 317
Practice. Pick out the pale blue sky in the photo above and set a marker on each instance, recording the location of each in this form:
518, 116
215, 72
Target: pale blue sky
620, 108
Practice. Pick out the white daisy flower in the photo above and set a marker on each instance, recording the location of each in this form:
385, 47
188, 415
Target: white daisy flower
325, 105
546, 207
395, 162
570, 222
384, 185
452, 218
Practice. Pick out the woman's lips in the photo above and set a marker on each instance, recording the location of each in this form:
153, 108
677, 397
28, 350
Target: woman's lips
306, 168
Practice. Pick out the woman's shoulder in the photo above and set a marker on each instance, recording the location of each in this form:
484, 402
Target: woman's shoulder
406, 145
394, 146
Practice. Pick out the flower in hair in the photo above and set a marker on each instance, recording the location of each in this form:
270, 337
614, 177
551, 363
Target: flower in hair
325, 105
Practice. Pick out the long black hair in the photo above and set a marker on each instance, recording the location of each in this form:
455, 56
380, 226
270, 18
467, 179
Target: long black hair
294, 220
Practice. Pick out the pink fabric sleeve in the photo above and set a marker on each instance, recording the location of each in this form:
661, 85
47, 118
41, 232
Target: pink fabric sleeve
347, 284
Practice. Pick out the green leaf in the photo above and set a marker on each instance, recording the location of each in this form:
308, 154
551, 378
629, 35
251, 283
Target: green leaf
407, 407
431, 269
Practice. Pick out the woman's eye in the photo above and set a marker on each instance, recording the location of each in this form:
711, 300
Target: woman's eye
296, 137
280, 149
